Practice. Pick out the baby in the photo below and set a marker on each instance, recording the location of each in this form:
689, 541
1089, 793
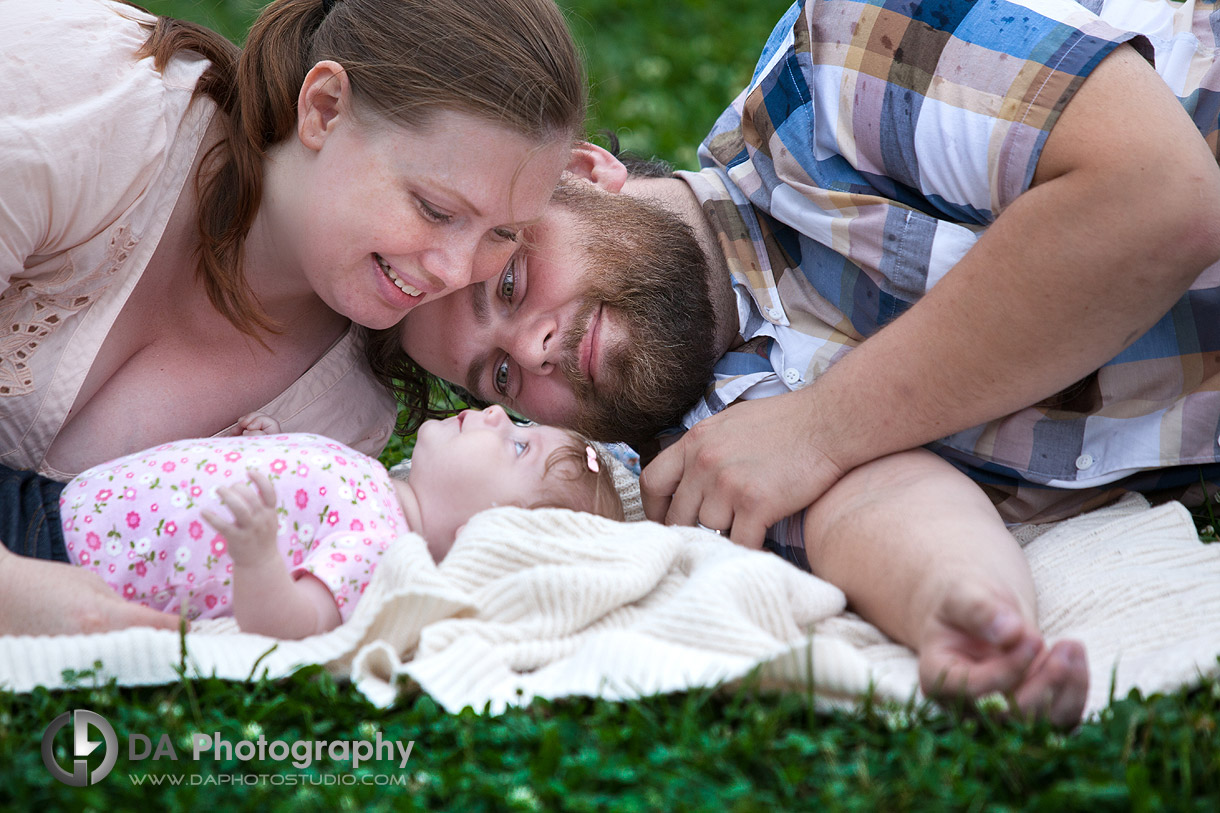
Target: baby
309, 528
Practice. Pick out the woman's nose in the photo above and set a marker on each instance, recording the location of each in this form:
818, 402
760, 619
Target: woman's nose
452, 262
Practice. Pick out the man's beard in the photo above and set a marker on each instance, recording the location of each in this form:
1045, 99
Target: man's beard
645, 265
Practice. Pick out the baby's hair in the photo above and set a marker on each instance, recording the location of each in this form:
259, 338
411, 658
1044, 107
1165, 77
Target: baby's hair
583, 488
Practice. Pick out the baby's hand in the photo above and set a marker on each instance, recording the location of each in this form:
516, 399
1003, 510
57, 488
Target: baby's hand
256, 423
251, 535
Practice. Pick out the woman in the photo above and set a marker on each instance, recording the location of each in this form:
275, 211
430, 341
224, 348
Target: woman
201, 233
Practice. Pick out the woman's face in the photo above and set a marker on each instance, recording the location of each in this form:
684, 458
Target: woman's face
382, 217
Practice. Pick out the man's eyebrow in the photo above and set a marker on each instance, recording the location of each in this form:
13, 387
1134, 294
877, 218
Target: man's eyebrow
474, 374
478, 302
482, 313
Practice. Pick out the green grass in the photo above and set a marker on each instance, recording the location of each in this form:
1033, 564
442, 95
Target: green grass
746, 750
661, 71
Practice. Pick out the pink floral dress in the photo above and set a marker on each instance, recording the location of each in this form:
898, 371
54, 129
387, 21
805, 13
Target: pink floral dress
137, 520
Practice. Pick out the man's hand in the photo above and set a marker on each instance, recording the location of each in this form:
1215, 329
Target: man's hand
38, 597
251, 536
743, 470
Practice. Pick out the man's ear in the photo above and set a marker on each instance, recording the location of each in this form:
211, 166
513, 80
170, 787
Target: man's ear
598, 165
324, 98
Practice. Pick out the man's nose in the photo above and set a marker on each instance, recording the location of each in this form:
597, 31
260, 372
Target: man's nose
535, 345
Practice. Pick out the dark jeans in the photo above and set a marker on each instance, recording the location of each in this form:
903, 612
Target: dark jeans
29, 515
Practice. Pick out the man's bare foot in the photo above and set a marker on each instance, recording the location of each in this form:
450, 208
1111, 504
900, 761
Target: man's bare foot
979, 642
1056, 685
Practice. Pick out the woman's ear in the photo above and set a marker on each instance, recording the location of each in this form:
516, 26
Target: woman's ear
597, 165
325, 97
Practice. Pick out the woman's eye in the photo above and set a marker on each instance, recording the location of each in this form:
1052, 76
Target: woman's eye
508, 282
501, 377
521, 448
506, 234
433, 214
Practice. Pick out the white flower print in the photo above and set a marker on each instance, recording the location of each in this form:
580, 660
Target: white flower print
182, 555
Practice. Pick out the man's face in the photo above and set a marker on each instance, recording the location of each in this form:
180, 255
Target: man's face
601, 321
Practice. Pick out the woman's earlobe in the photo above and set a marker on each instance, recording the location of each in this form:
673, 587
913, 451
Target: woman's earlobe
597, 165
325, 96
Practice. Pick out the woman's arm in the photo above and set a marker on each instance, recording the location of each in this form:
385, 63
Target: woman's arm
266, 599
39, 597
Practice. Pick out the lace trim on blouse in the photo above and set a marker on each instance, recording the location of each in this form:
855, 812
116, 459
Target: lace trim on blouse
31, 310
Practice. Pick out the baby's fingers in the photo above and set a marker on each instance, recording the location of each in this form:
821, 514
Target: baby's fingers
262, 484
222, 526
240, 500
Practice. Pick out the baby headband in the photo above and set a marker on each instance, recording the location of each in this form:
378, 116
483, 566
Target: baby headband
626, 483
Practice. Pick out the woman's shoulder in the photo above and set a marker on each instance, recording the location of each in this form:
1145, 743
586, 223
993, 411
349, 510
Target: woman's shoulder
86, 125
79, 61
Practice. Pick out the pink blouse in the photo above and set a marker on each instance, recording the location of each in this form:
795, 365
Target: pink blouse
96, 147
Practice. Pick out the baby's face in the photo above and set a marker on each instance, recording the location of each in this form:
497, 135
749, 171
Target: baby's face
474, 461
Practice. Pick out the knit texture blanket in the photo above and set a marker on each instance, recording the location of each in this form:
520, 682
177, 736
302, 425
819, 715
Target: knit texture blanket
550, 603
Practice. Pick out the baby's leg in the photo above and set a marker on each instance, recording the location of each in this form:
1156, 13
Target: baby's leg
920, 552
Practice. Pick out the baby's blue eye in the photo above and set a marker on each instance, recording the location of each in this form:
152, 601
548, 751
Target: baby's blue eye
521, 448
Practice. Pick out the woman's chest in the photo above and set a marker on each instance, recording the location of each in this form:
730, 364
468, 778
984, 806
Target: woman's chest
172, 367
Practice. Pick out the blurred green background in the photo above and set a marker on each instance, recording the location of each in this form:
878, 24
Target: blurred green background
660, 71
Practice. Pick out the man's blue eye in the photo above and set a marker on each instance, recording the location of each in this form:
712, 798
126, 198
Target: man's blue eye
509, 281
501, 377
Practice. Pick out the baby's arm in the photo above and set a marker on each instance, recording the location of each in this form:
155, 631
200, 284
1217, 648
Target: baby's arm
266, 599
920, 552
258, 423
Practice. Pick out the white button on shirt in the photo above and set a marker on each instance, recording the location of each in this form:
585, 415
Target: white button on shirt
1084, 461
792, 376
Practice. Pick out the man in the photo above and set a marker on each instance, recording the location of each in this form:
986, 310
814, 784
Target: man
1039, 224
985, 227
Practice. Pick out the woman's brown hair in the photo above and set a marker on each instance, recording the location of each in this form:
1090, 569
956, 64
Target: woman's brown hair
510, 62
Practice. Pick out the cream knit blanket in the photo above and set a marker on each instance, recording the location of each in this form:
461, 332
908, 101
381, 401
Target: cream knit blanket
551, 603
